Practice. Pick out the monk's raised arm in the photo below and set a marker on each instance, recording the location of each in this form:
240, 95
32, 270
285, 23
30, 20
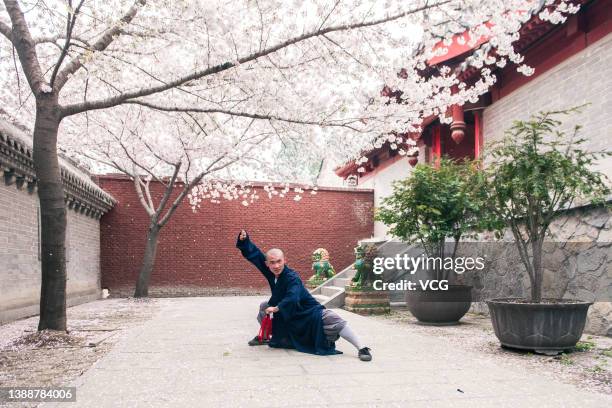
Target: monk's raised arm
253, 254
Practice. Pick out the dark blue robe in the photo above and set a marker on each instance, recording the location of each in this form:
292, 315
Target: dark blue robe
298, 323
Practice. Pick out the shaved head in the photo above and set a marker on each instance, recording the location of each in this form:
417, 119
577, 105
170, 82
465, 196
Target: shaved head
275, 260
275, 252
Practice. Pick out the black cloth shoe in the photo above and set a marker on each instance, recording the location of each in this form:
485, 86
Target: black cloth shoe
255, 341
364, 354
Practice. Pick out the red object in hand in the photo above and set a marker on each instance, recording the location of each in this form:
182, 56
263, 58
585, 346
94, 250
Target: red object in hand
265, 331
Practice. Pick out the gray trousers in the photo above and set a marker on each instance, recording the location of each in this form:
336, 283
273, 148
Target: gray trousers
332, 322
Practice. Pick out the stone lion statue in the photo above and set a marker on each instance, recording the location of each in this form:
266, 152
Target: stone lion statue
364, 265
321, 267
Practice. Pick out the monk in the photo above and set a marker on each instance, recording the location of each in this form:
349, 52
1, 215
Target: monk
300, 322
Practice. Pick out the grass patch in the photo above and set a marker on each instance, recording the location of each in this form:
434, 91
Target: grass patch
584, 346
565, 360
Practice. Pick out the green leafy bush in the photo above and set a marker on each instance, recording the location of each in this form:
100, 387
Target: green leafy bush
435, 203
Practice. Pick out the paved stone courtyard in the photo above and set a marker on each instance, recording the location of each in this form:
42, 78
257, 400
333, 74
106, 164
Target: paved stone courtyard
193, 352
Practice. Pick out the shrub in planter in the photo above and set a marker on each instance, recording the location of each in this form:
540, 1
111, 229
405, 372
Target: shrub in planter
534, 172
436, 204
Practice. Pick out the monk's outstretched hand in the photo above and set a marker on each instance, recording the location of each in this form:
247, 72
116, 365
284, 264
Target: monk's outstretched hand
271, 309
242, 235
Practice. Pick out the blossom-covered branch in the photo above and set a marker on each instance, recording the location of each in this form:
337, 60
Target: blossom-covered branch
100, 45
346, 124
123, 97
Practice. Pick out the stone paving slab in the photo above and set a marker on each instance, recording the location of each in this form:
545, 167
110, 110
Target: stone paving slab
193, 352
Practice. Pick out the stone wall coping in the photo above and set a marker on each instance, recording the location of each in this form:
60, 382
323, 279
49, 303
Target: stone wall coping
583, 205
81, 193
119, 176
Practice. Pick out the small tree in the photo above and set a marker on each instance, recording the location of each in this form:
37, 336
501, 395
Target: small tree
192, 161
433, 204
535, 172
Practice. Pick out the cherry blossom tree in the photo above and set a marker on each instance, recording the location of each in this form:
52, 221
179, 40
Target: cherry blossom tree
195, 159
311, 63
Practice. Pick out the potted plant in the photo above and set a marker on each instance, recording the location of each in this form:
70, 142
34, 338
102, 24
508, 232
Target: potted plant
534, 172
436, 204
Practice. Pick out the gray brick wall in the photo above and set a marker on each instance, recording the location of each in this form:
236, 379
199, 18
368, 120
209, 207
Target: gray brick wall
584, 78
19, 263
83, 246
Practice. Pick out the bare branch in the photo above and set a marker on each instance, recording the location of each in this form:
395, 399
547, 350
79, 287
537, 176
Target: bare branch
71, 20
130, 157
210, 169
141, 197
169, 189
17, 75
148, 146
25, 46
52, 39
147, 189
110, 162
145, 201
6, 31
344, 50
345, 124
187, 157
155, 154
329, 14
137, 163
197, 123
178, 200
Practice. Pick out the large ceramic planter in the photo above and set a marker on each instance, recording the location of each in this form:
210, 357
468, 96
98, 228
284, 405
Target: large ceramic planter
543, 327
440, 307
367, 302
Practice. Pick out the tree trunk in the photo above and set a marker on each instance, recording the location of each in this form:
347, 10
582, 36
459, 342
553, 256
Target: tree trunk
451, 275
440, 272
52, 214
536, 284
144, 276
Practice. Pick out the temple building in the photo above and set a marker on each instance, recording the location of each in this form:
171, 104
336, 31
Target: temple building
573, 66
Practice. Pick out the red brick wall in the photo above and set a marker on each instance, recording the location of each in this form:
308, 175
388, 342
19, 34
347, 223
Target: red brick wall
197, 253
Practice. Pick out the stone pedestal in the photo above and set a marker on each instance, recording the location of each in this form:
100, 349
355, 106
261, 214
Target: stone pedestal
367, 302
